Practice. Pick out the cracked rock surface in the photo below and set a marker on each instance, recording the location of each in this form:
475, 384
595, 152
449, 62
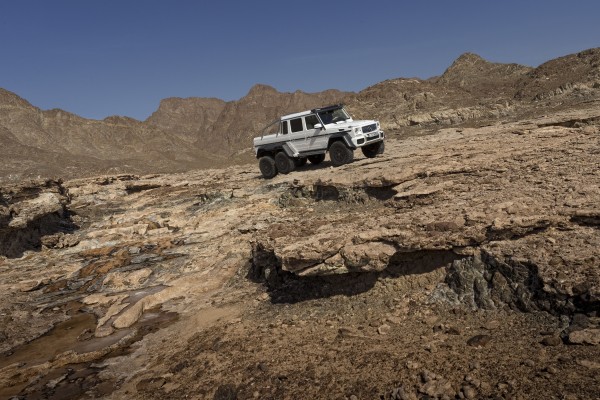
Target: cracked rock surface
463, 264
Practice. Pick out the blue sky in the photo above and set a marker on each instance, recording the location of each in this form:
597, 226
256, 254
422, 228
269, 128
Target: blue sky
109, 57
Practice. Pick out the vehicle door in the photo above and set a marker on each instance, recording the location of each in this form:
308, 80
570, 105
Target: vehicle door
316, 139
297, 135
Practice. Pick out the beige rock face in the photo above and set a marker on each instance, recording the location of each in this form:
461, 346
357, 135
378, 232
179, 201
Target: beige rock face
385, 268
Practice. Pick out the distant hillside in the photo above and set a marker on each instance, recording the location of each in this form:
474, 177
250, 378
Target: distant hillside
202, 132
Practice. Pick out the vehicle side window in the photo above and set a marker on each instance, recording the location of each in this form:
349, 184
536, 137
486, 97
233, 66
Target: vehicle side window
296, 125
284, 127
311, 121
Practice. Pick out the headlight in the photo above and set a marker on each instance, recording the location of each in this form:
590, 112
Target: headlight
357, 130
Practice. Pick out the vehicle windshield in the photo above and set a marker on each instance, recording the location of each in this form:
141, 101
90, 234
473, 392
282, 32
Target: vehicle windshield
333, 116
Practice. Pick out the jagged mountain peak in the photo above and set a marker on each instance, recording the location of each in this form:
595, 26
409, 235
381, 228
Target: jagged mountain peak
261, 89
9, 98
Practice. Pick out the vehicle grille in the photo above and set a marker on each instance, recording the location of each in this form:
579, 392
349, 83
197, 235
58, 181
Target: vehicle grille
369, 128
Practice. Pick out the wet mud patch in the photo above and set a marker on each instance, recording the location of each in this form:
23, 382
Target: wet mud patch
36, 369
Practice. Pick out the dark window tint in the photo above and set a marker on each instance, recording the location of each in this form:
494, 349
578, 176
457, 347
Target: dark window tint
296, 125
284, 127
311, 121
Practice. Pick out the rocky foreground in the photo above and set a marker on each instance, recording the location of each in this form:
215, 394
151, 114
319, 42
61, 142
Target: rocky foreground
464, 264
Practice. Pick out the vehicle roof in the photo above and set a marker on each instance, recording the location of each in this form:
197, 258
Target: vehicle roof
295, 115
314, 110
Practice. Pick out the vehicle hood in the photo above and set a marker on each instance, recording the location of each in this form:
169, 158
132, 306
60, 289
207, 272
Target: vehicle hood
350, 124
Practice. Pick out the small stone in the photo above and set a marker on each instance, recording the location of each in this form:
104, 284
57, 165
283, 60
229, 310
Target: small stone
551, 341
529, 363
492, 325
413, 365
452, 330
479, 340
469, 391
589, 364
401, 393
475, 365
585, 336
134, 250
431, 320
264, 296
3, 337
53, 383
384, 329
431, 347
551, 370
346, 332
353, 397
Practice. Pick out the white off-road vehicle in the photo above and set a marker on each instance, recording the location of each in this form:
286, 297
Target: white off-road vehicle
309, 135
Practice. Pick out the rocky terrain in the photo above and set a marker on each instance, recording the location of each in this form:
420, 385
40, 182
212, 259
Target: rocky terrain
463, 264
184, 134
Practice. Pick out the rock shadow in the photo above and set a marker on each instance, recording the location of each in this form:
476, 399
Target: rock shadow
15, 241
286, 287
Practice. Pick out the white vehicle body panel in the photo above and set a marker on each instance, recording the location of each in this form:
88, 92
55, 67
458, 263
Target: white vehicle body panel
315, 140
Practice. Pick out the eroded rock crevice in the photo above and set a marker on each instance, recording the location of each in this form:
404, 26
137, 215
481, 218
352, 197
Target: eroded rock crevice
489, 282
482, 280
35, 215
288, 287
331, 192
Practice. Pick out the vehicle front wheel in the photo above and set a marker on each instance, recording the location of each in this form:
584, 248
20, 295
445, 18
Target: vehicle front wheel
340, 154
373, 149
284, 164
267, 167
316, 159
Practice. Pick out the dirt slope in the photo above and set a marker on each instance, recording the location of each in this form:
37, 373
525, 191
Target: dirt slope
457, 265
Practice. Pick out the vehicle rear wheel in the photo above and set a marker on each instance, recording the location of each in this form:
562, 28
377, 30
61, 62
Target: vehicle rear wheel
340, 154
300, 162
372, 150
316, 159
284, 164
267, 167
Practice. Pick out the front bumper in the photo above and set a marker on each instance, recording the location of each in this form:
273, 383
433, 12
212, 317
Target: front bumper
364, 139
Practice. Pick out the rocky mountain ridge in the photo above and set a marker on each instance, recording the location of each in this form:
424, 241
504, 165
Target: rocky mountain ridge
199, 132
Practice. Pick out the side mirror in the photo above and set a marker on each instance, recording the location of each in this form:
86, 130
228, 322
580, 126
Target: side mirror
318, 126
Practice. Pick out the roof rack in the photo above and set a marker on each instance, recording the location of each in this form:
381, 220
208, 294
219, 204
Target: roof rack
328, 108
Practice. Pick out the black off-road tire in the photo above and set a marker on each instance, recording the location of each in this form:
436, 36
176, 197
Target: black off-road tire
284, 164
300, 162
371, 150
340, 154
381, 148
267, 167
316, 159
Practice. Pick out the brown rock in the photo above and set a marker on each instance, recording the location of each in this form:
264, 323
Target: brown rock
479, 340
551, 341
585, 336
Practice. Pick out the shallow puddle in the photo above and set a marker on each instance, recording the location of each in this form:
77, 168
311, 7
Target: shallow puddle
59, 339
75, 334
